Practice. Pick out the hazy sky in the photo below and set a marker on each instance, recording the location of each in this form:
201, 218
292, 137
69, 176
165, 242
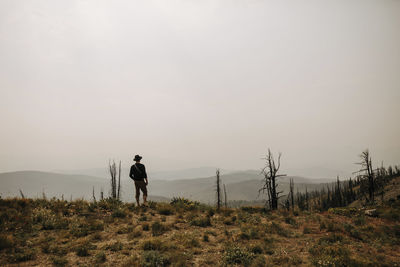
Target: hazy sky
195, 83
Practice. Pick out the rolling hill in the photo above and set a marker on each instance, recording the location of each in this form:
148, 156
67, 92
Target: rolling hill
240, 186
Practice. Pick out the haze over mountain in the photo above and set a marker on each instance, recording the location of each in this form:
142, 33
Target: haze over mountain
242, 185
159, 175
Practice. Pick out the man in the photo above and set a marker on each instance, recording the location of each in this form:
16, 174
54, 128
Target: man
139, 175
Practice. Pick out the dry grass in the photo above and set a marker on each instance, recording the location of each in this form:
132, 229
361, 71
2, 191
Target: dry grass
185, 233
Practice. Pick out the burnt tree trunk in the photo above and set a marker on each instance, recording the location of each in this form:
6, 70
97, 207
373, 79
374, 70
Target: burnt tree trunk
270, 172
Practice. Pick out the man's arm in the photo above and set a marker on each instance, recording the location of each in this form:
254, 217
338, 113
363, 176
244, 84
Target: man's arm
131, 173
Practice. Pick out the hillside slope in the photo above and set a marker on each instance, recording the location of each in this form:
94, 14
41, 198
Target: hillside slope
109, 233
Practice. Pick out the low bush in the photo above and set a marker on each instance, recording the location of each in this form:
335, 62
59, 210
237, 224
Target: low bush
135, 234
82, 251
100, 257
23, 254
145, 227
201, 221
119, 213
158, 228
165, 209
237, 255
206, 238
5, 242
290, 220
59, 261
185, 204
116, 246
359, 220
48, 219
153, 259
154, 244
275, 228
307, 230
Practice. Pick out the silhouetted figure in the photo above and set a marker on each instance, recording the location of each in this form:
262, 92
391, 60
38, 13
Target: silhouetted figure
139, 175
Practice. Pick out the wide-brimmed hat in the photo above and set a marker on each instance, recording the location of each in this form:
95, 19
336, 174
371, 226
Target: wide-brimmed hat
137, 158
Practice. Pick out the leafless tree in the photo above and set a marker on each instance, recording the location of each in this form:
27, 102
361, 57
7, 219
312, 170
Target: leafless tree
115, 187
94, 198
226, 198
21, 193
218, 190
367, 173
291, 193
270, 172
119, 181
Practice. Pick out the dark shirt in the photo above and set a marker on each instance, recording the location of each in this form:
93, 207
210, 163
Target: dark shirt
138, 173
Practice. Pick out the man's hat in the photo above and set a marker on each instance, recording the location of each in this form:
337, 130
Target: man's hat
137, 158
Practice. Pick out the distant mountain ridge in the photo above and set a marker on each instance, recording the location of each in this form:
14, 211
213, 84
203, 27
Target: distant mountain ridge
242, 185
189, 173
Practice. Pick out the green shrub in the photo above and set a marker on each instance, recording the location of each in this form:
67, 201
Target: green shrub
165, 209
306, 230
291, 221
136, 233
21, 255
256, 249
258, 261
153, 259
97, 237
331, 255
346, 211
359, 220
82, 251
201, 221
145, 227
230, 220
59, 261
5, 242
237, 255
118, 213
322, 225
48, 219
275, 228
154, 244
143, 218
157, 228
132, 261
116, 246
332, 226
205, 238
332, 238
185, 204
100, 257
79, 228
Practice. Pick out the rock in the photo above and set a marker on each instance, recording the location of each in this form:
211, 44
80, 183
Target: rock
371, 213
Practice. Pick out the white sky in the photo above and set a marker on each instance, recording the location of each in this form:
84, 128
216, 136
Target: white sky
193, 83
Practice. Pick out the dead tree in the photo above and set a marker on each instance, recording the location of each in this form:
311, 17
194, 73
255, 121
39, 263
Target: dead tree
218, 190
21, 193
115, 188
93, 196
367, 173
270, 172
226, 198
119, 181
291, 193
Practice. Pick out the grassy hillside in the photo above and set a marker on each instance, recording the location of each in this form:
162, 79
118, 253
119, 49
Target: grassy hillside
185, 233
